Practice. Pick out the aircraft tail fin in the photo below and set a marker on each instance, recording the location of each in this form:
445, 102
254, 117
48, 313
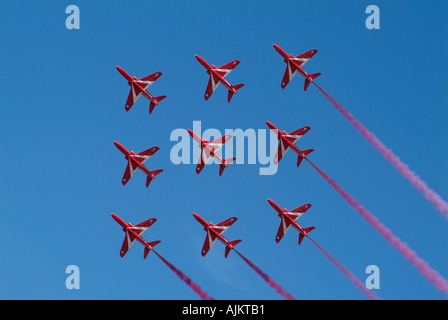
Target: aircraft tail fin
152, 104
305, 153
230, 93
222, 167
232, 243
307, 230
152, 244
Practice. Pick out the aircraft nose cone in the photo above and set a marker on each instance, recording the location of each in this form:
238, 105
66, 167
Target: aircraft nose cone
271, 126
117, 219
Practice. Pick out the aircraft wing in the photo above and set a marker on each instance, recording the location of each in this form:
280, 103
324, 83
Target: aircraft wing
304, 57
297, 134
224, 225
213, 83
300, 210
134, 94
210, 239
204, 158
146, 154
128, 241
129, 171
290, 72
224, 70
143, 226
283, 147
285, 224
148, 80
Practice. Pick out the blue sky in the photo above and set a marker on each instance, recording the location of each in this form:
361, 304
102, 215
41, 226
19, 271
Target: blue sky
62, 106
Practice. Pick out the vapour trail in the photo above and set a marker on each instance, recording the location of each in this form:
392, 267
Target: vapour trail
429, 194
431, 275
196, 288
370, 294
268, 279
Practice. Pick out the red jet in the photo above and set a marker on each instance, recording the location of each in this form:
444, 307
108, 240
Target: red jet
136, 161
217, 76
210, 150
138, 87
289, 219
134, 233
214, 232
295, 64
287, 141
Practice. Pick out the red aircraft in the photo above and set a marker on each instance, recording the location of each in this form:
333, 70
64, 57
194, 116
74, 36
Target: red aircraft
217, 76
287, 141
138, 87
136, 161
210, 150
289, 219
214, 232
295, 64
134, 233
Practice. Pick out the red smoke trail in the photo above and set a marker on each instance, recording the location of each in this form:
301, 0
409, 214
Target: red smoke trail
188, 281
370, 294
430, 195
433, 276
268, 279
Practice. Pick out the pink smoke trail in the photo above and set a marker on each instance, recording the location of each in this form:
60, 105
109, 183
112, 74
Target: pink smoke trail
431, 275
370, 294
184, 278
430, 195
268, 279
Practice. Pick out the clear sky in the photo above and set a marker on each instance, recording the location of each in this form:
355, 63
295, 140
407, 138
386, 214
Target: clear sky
62, 106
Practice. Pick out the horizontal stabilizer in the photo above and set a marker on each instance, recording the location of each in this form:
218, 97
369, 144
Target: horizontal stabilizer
307, 83
300, 238
156, 172
222, 167
309, 229
231, 93
152, 104
305, 153
152, 244
301, 235
315, 75
232, 243
149, 179
312, 77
